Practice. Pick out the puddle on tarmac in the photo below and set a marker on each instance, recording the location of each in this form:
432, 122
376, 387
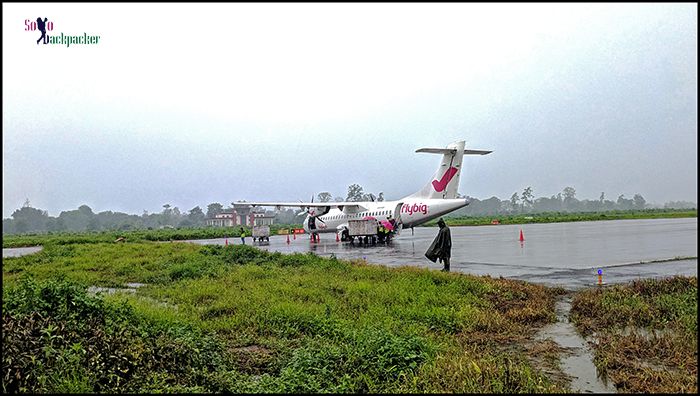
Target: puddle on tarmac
577, 361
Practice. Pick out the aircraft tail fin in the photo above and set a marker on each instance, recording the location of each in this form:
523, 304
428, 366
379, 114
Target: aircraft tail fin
445, 181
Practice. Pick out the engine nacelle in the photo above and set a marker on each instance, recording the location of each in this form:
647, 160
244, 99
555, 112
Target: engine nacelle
312, 224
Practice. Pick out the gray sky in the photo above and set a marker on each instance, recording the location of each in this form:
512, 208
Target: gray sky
189, 104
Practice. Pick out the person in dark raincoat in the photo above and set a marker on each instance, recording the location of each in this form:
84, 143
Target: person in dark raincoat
441, 246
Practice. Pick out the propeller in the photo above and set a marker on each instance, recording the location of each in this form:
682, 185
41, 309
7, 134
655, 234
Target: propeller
308, 211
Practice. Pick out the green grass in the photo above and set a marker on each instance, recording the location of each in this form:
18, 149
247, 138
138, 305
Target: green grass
646, 333
558, 217
238, 319
70, 238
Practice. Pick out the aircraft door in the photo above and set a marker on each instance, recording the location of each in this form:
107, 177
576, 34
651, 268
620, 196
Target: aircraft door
397, 213
398, 223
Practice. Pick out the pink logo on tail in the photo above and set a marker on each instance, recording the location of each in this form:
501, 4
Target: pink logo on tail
439, 186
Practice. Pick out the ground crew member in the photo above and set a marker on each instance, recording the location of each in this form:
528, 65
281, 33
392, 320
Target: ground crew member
381, 231
441, 246
242, 235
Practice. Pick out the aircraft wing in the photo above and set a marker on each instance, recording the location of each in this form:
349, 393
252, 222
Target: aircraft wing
351, 206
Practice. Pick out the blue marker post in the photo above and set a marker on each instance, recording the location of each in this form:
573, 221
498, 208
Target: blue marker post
600, 277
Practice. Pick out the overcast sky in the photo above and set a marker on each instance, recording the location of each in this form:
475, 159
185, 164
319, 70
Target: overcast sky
189, 104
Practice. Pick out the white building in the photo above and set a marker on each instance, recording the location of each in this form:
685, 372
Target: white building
234, 218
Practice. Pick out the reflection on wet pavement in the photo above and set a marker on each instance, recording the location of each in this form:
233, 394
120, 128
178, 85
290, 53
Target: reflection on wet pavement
559, 254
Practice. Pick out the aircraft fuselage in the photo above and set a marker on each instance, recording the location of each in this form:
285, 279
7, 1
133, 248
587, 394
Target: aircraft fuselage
413, 212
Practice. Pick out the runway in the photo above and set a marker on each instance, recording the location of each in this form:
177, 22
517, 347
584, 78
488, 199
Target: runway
556, 254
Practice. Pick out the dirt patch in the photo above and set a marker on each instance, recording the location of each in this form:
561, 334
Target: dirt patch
254, 359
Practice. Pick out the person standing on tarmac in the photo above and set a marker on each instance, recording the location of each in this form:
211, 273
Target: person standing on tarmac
242, 235
441, 246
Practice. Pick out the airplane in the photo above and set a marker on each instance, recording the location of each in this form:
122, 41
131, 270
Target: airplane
437, 198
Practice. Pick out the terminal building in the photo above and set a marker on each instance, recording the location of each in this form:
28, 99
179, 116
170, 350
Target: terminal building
241, 215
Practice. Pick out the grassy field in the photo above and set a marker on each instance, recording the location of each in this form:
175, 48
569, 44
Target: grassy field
646, 333
68, 238
238, 319
559, 217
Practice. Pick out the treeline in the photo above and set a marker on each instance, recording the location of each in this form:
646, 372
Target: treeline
564, 201
32, 220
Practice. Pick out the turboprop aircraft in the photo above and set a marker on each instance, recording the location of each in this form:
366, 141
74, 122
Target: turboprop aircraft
435, 199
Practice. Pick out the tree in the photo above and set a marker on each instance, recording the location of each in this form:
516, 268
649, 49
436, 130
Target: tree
514, 199
75, 220
85, 210
623, 203
354, 193
368, 197
196, 217
569, 193
639, 201
31, 219
380, 198
214, 209
569, 198
287, 216
166, 217
324, 196
93, 224
680, 205
527, 197
7, 226
544, 204
21, 226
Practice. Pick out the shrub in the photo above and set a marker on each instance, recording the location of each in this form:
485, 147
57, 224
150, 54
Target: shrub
57, 338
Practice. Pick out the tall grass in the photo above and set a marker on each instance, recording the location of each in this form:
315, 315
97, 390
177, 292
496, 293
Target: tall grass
239, 319
646, 333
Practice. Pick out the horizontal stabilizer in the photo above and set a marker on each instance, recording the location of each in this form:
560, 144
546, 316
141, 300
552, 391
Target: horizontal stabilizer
451, 151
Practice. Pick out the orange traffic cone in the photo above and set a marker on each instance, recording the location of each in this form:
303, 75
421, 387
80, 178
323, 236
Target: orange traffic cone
521, 235
337, 239
295, 235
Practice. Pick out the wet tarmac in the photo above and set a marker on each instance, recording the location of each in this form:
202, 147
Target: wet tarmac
556, 254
